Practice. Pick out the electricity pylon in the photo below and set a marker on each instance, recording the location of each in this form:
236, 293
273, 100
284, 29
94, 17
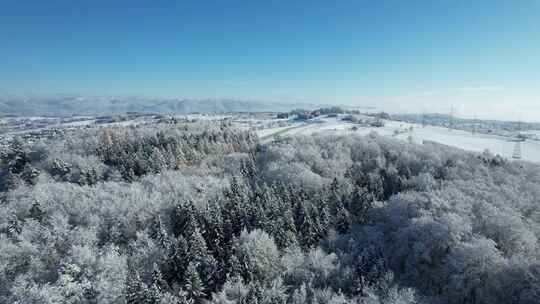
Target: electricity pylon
517, 150
451, 119
517, 145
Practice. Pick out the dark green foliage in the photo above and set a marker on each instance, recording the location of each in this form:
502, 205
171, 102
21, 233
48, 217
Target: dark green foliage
235, 208
157, 152
342, 221
184, 219
360, 204
198, 254
15, 166
154, 293
30, 174
214, 231
193, 284
176, 260
254, 295
324, 219
159, 233
305, 225
36, 212
135, 290
17, 157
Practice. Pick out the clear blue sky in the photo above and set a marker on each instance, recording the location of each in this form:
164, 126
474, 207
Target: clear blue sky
408, 54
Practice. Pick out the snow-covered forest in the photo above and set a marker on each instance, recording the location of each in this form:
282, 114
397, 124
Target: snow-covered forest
202, 212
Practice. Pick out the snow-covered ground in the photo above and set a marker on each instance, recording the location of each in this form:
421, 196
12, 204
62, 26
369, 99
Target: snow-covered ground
473, 142
460, 139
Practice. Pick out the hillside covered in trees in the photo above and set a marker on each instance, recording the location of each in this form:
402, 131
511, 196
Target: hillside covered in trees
201, 212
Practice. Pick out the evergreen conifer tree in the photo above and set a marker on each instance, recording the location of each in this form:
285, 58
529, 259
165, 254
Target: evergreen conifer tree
193, 284
305, 228
135, 288
155, 291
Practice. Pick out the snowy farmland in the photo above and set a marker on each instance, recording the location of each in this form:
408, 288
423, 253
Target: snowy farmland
406, 131
474, 142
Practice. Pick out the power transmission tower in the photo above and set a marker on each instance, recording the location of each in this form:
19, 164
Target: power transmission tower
475, 125
517, 145
451, 119
517, 150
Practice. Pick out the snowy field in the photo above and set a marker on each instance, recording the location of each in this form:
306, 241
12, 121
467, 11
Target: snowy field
460, 139
472, 142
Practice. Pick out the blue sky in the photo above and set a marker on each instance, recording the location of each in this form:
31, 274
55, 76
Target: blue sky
483, 57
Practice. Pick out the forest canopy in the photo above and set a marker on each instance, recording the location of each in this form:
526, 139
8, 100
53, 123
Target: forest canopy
202, 212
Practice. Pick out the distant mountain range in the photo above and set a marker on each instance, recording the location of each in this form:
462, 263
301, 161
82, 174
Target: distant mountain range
63, 105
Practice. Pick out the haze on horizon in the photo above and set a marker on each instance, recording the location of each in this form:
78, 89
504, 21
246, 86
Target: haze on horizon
481, 57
